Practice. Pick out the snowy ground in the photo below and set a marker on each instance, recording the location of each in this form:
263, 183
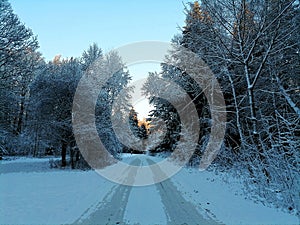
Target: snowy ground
46, 196
226, 200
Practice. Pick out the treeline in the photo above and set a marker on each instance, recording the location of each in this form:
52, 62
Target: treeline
37, 96
253, 49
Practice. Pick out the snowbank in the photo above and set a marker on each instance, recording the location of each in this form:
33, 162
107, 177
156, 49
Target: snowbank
226, 200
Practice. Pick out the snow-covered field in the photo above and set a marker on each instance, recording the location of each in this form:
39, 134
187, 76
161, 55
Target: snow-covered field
52, 196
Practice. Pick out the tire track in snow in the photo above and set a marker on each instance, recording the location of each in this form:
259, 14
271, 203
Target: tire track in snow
179, 211
111, 210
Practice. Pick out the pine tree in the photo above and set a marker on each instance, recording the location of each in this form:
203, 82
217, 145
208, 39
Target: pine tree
18, 61
90, 56
197, 31
133, 122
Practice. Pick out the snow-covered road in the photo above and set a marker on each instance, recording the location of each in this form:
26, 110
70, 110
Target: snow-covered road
171, 207
177, 209
32, 193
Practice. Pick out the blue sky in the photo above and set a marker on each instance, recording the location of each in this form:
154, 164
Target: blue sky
68, 27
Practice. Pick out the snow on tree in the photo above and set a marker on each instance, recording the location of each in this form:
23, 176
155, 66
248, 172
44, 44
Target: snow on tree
253, 49
18, 61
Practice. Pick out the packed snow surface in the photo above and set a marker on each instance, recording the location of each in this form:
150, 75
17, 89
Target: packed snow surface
32, 193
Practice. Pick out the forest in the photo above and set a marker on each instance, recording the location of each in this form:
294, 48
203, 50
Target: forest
251, 46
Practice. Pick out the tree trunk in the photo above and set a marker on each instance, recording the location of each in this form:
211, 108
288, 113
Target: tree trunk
72, 158
237, 111
21, 114
72, 153
64, 146
36, 142
288, 98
